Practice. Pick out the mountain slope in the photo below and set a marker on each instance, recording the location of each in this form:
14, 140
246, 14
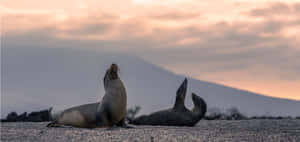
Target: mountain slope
38, 78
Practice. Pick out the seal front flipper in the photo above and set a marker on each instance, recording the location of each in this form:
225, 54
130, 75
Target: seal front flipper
123, 124
53, 124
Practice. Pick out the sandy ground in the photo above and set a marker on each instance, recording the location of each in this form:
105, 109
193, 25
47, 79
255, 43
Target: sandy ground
217, 130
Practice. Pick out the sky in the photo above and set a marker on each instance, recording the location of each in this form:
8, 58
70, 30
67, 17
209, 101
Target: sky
246, 44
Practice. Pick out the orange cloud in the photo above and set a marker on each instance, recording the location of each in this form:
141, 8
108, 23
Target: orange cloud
226, 46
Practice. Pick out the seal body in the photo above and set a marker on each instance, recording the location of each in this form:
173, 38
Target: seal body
179, 115
110, 111
79, 116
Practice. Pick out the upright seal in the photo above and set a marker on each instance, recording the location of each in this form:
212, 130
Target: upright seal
107, 113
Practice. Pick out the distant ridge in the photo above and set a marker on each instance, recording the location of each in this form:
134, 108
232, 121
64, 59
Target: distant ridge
38, 78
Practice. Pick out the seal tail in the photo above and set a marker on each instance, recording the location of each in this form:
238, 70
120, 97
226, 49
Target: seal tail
49, 113
54, 115
200, 107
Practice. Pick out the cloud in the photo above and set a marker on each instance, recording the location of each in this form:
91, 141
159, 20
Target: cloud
174, 15
203, 48
275, 9
278, 12
279, 18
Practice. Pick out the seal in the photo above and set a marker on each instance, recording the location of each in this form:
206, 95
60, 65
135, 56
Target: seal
178, 115
107, 113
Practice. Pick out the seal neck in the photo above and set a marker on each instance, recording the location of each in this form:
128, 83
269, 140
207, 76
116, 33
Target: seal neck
111, 74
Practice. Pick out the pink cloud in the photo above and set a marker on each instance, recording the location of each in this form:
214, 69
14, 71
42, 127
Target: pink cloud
183, 41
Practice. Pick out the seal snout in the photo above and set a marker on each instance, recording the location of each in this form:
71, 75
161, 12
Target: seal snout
194, 96
114, 68
196, 99
113, 71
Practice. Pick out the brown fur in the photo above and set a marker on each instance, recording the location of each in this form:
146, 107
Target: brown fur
110, 111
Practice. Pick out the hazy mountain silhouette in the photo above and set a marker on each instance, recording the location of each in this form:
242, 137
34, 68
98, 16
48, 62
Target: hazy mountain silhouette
38, 78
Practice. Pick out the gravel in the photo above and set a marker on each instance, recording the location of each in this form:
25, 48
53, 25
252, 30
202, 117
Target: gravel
216, 130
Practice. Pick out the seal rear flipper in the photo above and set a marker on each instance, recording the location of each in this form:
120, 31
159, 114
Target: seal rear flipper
180, 96
53, 124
